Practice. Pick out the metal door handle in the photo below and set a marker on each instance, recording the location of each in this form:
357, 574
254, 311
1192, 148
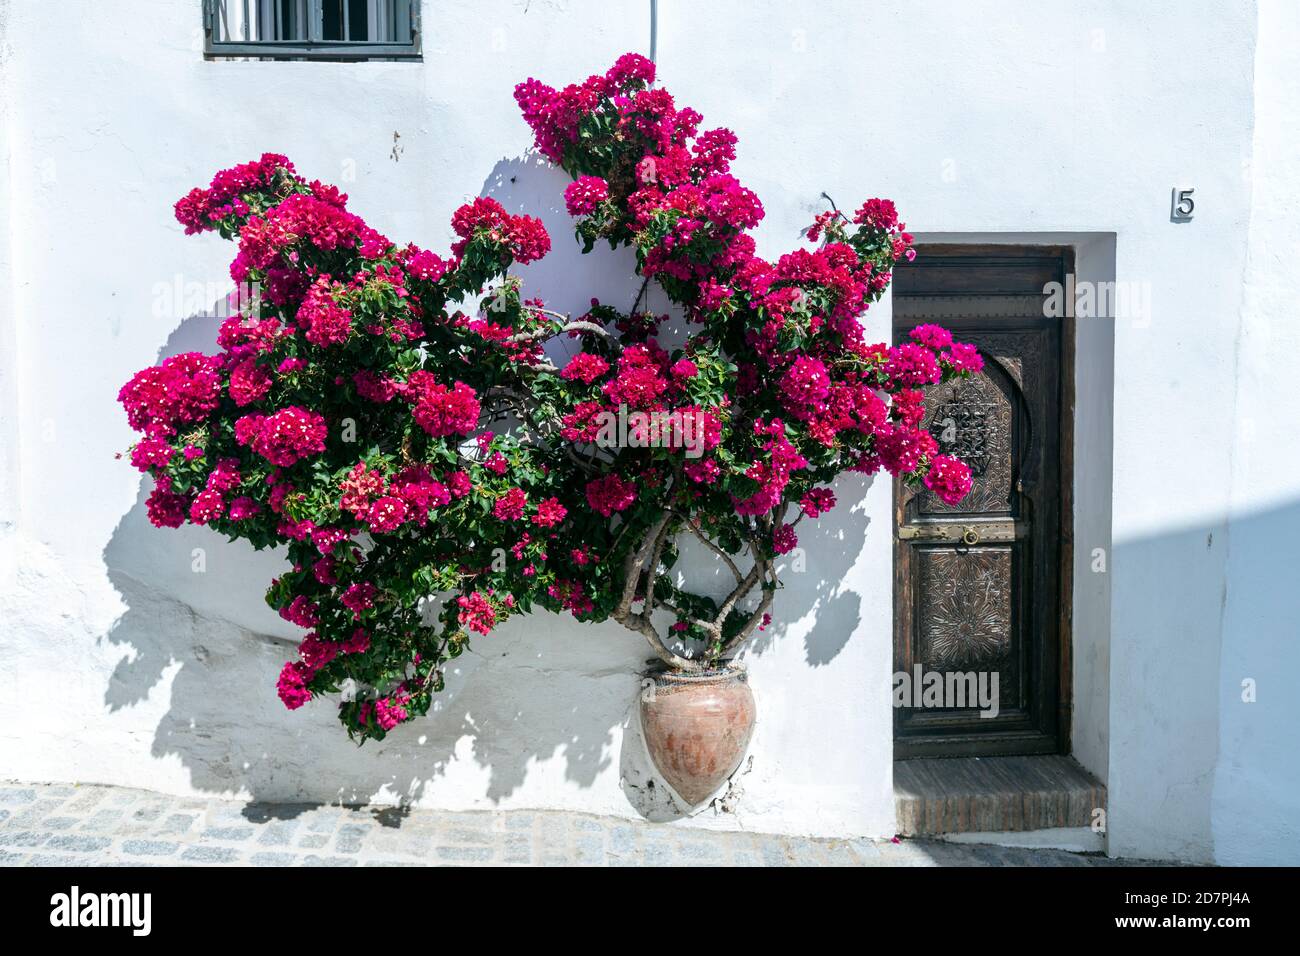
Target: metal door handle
968, 534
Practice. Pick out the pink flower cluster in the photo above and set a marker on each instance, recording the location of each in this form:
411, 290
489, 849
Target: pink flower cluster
152, 453
510, 506
524, 237
550, 513
182, 389
680, 177
817, 502
949, 478
878, 213
323, 320
784, 539
270, 241
428, 266
584, 367
392, 710
610, 494
806, 381
554, 114
166, 509
773, 474
385, 505
301, 611
901, 449
639, 381
292, 685
249, 382
911, 365
359, 597
285, 437
440, 410
476, 613
584, 194
201, 208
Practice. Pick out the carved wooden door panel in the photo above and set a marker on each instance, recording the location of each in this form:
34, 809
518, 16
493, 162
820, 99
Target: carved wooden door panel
978, 586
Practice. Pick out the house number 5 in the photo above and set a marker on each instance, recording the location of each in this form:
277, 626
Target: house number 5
1182, 205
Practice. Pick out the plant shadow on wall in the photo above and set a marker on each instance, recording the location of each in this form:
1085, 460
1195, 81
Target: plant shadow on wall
536, 689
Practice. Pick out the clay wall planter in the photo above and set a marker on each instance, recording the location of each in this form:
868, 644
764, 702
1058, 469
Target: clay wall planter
697, 728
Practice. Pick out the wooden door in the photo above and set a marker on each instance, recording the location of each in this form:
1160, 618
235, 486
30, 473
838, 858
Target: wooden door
980, 587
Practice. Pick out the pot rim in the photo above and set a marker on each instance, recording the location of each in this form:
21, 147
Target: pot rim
727, 672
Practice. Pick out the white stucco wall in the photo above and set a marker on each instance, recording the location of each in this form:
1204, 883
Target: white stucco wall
129, 667
1257, 775
125, 666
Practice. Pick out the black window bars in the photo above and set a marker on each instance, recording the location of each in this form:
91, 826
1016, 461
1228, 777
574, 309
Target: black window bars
312, 29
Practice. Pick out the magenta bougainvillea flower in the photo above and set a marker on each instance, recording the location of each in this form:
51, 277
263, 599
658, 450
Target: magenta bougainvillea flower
432, 472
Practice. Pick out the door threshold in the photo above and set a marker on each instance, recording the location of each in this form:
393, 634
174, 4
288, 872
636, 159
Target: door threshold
1071, 839
936, 796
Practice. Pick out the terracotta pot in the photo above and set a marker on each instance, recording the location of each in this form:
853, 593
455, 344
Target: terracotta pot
697, 727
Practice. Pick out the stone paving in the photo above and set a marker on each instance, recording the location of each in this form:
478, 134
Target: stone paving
90, 825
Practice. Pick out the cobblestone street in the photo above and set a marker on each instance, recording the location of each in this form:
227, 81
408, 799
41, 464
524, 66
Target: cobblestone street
62, 825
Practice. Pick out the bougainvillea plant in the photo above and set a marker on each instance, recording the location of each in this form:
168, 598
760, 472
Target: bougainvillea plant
434, 450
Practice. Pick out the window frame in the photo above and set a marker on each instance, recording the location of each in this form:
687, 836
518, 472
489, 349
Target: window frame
314, 48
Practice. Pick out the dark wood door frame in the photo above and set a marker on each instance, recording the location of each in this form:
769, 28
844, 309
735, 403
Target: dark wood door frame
961, 256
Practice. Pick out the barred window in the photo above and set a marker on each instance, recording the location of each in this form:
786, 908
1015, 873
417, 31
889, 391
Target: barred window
313, 29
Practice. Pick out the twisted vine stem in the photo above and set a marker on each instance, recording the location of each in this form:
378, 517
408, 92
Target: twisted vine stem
642, 572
